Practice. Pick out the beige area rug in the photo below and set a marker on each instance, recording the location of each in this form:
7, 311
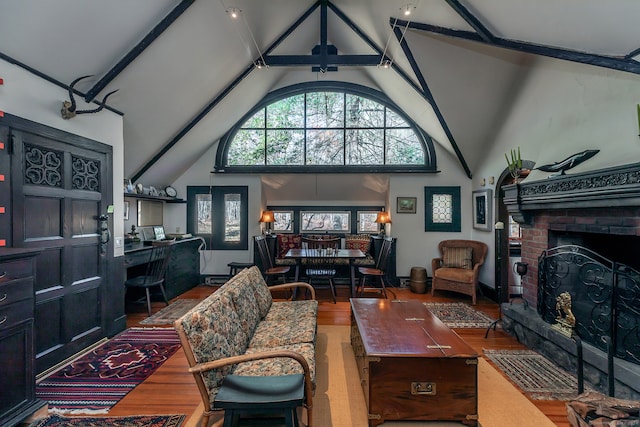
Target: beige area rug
339, 400
170, 313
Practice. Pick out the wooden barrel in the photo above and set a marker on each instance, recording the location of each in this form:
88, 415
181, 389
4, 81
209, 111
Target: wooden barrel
418, 280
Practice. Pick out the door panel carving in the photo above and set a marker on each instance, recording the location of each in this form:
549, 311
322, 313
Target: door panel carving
64, 185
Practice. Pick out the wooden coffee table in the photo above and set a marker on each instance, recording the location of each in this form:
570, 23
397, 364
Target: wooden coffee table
411, 365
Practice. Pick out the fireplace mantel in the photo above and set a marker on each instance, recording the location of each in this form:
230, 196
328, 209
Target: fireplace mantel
612, 187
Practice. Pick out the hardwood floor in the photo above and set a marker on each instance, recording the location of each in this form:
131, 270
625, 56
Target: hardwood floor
172, 390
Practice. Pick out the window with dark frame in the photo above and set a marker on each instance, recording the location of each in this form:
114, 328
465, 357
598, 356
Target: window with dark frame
219, 214
442, 209
340, 126
335, 220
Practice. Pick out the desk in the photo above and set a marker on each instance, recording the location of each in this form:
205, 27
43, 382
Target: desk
183, 271
350, 254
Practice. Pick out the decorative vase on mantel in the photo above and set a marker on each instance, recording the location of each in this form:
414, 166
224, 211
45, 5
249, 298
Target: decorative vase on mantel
518, 174
515, 166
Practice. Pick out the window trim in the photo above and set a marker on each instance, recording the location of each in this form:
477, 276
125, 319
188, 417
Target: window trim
430, 165
456, 223
215, 240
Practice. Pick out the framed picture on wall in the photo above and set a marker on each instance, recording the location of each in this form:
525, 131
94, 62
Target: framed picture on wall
482, 209
406, 205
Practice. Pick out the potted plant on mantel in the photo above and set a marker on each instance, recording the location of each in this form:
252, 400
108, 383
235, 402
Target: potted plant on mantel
515, 165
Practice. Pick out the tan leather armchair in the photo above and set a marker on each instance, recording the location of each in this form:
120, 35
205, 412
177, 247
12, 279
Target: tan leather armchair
457, 269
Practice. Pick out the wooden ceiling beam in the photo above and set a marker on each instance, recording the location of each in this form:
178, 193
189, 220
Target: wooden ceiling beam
472, 20
138, 49
612, 62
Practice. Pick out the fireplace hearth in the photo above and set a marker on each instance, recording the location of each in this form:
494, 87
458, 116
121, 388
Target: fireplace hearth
601, 210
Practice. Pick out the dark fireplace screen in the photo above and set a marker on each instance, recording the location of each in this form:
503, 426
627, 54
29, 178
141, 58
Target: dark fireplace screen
605, 297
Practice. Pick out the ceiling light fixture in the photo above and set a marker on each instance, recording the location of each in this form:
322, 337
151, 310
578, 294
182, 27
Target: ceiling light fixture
407, 9
260, 63
234, 12
385, 62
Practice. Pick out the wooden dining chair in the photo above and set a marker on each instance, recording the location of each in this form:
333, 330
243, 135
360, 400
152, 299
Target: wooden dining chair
154, 275
379, 271
269, 270
321, 260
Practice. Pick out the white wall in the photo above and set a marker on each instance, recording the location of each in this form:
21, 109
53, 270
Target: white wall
415, 246
25, 95
175, 215
564, 108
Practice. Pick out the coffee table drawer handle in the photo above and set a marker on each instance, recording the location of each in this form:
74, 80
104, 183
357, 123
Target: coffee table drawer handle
423, 388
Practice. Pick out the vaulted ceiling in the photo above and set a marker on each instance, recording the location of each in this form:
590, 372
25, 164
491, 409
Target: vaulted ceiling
185, 73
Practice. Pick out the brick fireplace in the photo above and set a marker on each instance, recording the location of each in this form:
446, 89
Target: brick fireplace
599, 210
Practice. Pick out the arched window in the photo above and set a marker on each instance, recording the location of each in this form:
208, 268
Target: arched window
328, 126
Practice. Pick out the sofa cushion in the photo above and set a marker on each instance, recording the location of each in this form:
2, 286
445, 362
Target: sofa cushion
213, 330
286, 242
279, 365
358, 241
292, 310
244, 301
457, 257
284, 332
261, 290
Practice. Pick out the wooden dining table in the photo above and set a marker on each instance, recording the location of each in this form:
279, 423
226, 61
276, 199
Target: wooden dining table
351, 254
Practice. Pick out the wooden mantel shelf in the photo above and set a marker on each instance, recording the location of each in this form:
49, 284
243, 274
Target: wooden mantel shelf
604, 188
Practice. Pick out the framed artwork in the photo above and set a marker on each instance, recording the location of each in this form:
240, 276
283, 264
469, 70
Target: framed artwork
482, 209
406, 205
126, 210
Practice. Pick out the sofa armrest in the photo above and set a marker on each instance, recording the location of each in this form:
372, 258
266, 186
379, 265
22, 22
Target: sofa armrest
271, 354
307, 286
436, 263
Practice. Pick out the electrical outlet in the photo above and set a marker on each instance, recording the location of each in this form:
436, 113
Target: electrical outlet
118, 242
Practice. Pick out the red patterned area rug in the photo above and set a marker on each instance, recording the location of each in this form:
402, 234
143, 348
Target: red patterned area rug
131, 421
96, 381
459, 315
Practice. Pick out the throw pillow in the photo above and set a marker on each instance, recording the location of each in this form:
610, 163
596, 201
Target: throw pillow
357, 241
457, 258
288, 241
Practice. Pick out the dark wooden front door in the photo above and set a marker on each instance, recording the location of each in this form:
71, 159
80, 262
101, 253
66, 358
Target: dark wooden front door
61, 184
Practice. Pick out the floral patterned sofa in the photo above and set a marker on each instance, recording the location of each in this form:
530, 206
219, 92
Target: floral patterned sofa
240, 329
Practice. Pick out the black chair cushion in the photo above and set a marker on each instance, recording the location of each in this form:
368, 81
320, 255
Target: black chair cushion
255, 392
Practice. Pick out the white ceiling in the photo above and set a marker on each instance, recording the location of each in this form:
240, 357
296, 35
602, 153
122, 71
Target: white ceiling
189, 65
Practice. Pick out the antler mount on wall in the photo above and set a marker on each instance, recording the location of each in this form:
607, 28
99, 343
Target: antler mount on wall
69, 110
